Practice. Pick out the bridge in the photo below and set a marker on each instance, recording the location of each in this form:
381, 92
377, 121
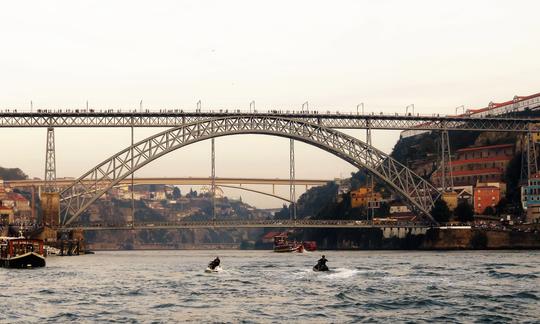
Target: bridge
181, 181
313, 128
213, 224
231, 183
176, 118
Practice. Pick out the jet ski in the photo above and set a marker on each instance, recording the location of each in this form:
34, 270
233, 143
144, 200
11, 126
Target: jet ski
216, 269
320, 267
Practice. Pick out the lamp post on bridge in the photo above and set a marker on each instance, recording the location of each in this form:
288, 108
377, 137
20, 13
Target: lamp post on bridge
357, 106
305, 104
407, 109
252, 104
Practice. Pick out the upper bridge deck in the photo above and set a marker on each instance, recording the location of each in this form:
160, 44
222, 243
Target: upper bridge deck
339, 120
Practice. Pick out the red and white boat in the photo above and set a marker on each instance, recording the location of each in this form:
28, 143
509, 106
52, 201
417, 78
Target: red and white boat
21, 253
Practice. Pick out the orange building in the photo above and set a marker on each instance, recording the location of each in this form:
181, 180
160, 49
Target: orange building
484, 197
361, 197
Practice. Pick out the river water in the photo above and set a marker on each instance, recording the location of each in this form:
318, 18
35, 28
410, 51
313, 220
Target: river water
262, 286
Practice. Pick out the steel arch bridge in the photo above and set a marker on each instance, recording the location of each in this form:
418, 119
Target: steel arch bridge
75, 199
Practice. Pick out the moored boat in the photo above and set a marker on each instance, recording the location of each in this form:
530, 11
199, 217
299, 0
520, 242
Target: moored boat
310, 245
21, 253
281, 244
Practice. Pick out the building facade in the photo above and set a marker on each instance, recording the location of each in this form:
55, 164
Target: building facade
486, 196
479, 164
362, 196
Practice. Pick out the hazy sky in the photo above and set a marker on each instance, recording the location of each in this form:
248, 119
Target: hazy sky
436, 55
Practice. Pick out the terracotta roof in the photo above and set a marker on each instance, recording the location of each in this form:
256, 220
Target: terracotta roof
468, 149
494, 105
487, 187
474, 172
16, 196
480, 160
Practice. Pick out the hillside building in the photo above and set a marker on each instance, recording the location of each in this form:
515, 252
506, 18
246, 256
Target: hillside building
363, 195
486, 196
479, 164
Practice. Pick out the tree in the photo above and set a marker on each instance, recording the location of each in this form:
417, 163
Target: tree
176, 193
489, 211
464, 212
440, 211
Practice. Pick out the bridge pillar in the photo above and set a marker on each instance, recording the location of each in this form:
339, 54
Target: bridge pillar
50, 205
371, 204
50, 163
213, 186
529, 165
50, 198
447, 181
292, 186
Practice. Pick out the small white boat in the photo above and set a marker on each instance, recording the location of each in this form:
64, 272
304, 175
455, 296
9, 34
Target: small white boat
216, 269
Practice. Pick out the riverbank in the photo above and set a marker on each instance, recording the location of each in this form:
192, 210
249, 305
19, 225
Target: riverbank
431, 239
370, 239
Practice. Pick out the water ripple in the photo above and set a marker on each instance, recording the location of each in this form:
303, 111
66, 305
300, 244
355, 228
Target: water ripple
261, 286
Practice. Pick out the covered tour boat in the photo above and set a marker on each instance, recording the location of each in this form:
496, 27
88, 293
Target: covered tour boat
281, 244
21, 253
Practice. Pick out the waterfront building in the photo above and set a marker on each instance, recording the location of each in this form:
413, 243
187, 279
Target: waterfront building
398, 208
3, 194
451, 199
464, 194
515, 105
363, 195
486, 196
6, 215
531, 199
479, 164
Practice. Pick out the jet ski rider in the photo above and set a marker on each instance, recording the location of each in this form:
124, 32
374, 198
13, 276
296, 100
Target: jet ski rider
214, 264
322, 262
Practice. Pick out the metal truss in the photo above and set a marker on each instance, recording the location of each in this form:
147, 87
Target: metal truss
183, 181
282, 223
50, 163
331, 120
292, 187
447, 181
419, 193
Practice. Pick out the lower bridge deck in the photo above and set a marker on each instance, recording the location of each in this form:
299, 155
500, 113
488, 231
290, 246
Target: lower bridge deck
247, 224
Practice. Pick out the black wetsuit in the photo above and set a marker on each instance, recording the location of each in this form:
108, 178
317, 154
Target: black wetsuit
322, 261
321, 264
214, 263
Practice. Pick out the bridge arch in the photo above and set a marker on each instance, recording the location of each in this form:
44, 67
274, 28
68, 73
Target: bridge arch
416, 191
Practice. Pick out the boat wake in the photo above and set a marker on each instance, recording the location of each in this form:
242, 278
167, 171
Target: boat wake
342, 273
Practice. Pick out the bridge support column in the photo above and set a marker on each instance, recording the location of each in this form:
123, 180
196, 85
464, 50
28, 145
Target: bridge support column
370, 204
529, 165
213, 162
50, 198
50, 163
132, 179
292, 185
447, 181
